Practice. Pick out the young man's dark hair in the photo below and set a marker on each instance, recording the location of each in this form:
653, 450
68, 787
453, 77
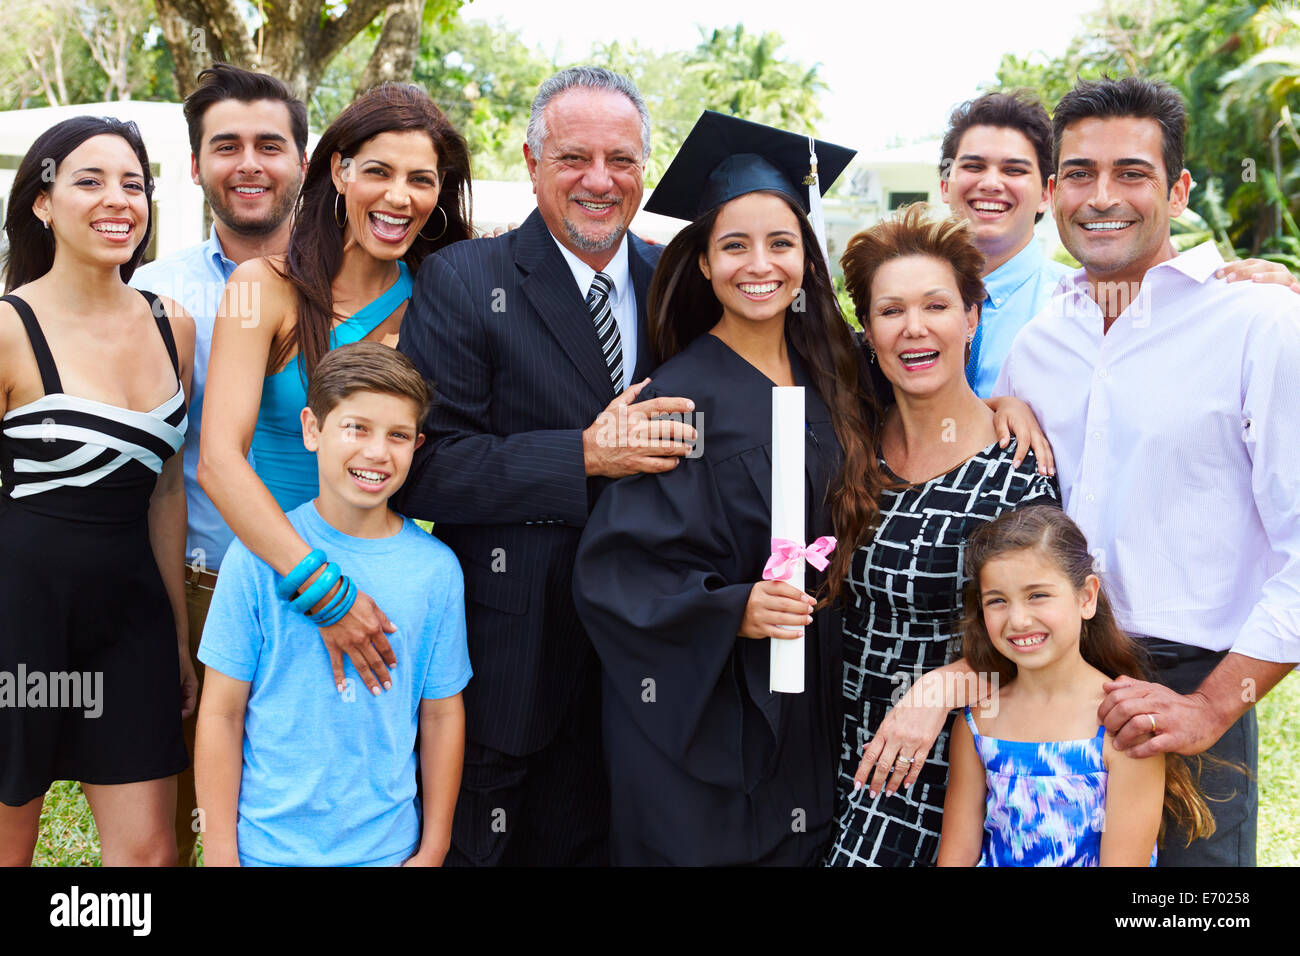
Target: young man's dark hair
1020, 110
1130, 96
221, 81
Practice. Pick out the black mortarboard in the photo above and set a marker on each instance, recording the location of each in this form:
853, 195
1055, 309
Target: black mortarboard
725, 157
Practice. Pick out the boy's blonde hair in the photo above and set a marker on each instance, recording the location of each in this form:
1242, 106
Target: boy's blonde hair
366, 367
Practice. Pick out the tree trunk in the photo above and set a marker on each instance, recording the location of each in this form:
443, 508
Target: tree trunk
297, 43
393, 59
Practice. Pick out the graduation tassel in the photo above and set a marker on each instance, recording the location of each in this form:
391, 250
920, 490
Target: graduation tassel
816, 216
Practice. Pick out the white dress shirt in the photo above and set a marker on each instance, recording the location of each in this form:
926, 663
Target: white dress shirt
1177, 444
622, 298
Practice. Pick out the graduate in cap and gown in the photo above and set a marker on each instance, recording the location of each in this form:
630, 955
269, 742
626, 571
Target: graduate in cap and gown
707, 765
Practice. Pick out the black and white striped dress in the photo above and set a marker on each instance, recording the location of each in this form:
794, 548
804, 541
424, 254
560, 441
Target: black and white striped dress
902, 618
89, 669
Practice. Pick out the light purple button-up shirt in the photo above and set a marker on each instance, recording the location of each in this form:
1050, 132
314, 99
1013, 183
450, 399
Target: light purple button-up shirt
1177, 444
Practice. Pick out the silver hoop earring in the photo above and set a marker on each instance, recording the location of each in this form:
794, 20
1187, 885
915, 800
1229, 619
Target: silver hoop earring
341, 220
444, 227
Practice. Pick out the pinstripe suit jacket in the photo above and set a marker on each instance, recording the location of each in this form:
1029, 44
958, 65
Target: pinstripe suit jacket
503, 332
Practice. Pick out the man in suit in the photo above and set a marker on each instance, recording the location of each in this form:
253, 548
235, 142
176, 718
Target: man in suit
532, 341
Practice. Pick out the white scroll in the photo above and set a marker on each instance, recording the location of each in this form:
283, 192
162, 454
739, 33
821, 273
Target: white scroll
787, 655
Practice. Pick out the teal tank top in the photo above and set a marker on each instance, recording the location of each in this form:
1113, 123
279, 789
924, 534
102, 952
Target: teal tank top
287, 468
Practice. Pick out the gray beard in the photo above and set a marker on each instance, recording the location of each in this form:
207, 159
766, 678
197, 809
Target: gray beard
585, 244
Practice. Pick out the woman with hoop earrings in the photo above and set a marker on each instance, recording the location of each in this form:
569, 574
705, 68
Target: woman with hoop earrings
388, 184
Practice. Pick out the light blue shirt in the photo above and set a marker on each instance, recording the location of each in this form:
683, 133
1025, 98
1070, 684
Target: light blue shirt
622, 299
196, 278
1016, 291
328, 779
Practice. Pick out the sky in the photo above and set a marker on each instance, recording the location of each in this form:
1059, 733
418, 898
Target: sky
894, 69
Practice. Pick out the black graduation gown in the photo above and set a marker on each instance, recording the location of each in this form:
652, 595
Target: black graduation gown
706, 765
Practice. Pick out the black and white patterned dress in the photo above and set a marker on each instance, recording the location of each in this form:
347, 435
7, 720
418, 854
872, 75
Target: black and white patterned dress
82, 603
902, 616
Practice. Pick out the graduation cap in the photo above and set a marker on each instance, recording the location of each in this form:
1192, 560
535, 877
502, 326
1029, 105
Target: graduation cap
725, 157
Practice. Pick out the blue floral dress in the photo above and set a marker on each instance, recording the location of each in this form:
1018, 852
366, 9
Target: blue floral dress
1046, 803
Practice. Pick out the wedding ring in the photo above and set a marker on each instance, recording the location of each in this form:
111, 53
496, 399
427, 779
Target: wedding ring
1152, 718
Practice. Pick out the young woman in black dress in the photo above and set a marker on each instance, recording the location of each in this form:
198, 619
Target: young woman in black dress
95, 673
707, 765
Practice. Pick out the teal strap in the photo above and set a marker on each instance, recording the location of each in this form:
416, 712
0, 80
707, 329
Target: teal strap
308, 599
288, 585
368, 318
335, 611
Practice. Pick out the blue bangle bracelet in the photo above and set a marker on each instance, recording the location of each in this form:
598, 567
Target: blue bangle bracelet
320, 587
339, 607
288, 585
336, 611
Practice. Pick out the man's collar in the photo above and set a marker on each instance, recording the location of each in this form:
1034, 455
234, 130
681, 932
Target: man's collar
1198, 263
215, 251
616, 269
1015, 272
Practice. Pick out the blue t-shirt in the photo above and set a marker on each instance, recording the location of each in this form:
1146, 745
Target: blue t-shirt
329, 779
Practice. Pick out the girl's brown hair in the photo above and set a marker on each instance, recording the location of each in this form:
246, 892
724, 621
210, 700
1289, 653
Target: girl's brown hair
1047, 530
316, 245
684, 307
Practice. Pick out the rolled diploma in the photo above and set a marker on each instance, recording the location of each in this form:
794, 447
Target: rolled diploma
787, 521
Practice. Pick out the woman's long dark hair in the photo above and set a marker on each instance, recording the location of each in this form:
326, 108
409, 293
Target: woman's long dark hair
1047, 530
683, 307
316, 244
31, 245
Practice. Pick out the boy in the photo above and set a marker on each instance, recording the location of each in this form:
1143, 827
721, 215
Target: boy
289, 773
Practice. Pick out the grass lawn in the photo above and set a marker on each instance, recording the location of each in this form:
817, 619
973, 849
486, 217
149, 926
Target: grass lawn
68, 836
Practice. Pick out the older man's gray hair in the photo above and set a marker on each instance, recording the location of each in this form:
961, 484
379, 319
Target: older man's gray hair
584, 77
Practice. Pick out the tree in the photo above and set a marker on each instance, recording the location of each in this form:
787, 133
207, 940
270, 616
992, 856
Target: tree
294, 40
55, 52
743, 75
1227, 58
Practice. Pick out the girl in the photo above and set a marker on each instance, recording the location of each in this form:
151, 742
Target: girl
387, 185
93, 383
1034, 780
707, 765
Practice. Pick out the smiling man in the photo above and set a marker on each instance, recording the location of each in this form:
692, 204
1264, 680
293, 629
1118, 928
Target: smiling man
248, 141
1171, 403
993, 173
533, 339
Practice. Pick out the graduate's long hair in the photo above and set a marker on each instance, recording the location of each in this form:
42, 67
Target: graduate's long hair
683, 307
31, 244
1049, 532
316, 245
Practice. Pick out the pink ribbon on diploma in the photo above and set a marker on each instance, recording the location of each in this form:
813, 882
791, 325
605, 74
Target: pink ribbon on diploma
780, 566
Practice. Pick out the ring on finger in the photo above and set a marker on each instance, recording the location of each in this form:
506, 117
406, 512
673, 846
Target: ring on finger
1152, 718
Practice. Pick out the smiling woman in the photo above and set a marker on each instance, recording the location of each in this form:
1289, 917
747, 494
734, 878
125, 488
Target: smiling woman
916, 287
387, 185
93, 385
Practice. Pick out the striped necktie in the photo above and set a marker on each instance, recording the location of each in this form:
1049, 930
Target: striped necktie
602, 313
